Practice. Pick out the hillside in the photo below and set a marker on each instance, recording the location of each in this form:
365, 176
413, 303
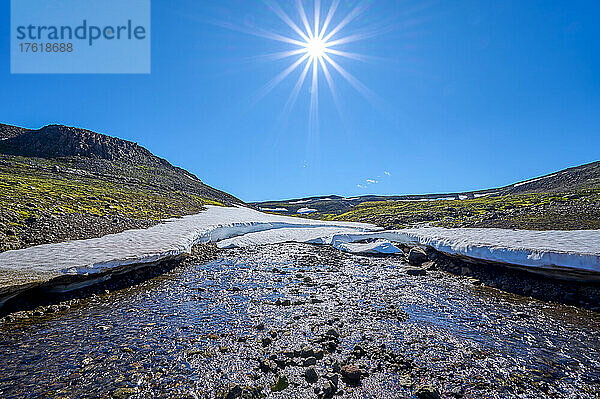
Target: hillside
568, 199
59, 183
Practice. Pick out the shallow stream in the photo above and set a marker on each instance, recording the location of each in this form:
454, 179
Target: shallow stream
251, 317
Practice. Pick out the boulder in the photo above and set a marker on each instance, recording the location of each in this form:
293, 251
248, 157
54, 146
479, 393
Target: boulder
417, 256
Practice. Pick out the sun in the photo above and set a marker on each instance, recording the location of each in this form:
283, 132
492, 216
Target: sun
316, 47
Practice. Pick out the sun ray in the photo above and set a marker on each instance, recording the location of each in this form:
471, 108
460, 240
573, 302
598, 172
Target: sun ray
314, 97
367, 34
291, 101
280, 55
349, 39
346, 54
277, 79
351, 16
357, 84
330, 84
317, 17
330, 13
260, 33
285, 18
304, 18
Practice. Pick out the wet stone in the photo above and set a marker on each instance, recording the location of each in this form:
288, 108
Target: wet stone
416, 272
427, 392
306, 351
310, 361
351, 372
280, 384
310, 374
457, 392
285, 302
333, 378
416, 256
123, 393
234, 391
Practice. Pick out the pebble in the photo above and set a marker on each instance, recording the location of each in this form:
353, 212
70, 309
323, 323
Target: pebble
311, 361
234, 391
310, 374
306, 351
416, 272
427, 392
122, 393
351, 372
523, 315
333, 378
280, 384
457, 392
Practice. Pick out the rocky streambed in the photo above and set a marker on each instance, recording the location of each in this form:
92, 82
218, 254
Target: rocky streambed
303, 321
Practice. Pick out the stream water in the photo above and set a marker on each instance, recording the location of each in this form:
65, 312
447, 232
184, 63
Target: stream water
250, 323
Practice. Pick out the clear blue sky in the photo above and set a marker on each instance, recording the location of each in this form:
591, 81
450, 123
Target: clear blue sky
470, 95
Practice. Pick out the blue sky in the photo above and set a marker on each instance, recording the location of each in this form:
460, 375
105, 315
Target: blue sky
468, 95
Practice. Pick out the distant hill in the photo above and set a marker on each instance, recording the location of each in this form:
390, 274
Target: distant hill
573, 179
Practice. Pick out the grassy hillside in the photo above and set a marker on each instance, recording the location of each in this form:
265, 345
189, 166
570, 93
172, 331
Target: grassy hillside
568, 199
545, 211
75, 184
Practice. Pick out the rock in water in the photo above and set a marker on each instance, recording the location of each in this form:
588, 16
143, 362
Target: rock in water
351, 372
416, 256
310, 361
234, 391
123, 393
427, 392
281, 384
311, 375
416, 272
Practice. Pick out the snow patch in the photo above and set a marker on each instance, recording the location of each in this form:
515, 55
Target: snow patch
299, 202
241, 227
273, 209
534, 180
306, 210
172, 238
428, 199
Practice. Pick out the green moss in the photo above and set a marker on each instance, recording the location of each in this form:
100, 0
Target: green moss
26, 191
527, 211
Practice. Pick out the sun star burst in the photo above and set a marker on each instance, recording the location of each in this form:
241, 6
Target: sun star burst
315, 50
316, 47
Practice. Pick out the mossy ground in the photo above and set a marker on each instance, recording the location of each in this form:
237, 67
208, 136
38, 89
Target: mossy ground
548, 211
46, 189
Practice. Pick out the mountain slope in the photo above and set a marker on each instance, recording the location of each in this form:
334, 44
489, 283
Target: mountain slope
104, 156
59, 183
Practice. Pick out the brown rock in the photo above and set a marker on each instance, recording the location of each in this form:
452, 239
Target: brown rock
351, 372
